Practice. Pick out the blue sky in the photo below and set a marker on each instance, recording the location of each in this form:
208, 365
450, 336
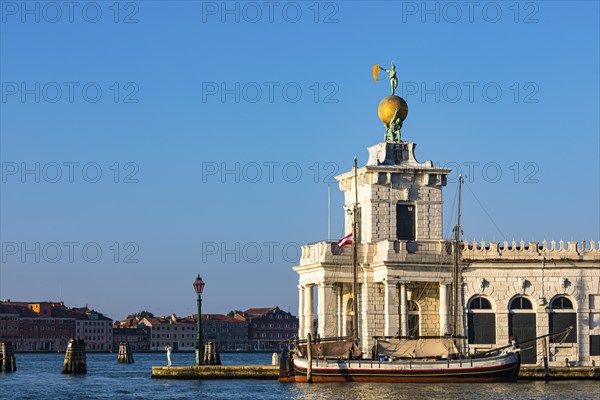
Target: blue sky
130, 118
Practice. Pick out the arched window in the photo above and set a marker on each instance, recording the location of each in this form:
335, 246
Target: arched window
481, 321
522, 325
414, 319
521, 303
562, 315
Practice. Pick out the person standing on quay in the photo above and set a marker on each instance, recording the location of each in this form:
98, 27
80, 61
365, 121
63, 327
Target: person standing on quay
168, 350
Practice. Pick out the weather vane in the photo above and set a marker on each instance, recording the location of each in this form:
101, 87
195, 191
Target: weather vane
391, 75
392, 109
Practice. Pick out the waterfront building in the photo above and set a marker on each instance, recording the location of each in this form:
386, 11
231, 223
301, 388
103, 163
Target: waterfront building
128, 330
269, 328
178, 332
229, 333
29, 330
524, 289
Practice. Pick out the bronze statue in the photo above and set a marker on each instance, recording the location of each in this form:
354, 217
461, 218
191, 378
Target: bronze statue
393, 128
392, 109
391, 75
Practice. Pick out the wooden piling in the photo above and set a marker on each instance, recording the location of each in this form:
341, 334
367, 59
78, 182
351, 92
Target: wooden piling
75, 358
125, 354
545, 356
7, 358
211, 354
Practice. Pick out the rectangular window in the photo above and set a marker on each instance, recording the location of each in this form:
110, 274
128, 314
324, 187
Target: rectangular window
405, 221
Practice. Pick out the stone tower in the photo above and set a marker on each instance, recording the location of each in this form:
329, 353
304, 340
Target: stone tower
399, 198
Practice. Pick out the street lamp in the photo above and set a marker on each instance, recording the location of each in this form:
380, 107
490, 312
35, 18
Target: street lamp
199, 288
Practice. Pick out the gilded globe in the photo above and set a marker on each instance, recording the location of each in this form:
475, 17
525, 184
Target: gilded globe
387, 108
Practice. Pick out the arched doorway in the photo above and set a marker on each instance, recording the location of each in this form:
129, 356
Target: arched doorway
349, 317
522, 324
481, 321
414, 319
562, 315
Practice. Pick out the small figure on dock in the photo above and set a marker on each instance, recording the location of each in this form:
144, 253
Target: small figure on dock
168, 350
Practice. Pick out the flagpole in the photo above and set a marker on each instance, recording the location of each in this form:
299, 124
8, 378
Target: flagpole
328, 213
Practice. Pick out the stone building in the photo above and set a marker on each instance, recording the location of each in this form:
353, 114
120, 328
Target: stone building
269, 328
404, 271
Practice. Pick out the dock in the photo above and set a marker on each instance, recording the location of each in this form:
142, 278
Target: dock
265, 371
560, 373
261, 371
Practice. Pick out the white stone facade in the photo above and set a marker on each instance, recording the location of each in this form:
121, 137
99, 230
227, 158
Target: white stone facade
404, 284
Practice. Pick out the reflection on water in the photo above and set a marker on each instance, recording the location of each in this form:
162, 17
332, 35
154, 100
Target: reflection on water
39, 377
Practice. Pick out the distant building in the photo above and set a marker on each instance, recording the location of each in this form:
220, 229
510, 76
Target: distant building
94, 328
269, 328
47, 326
178, 332
129, 330
229, 333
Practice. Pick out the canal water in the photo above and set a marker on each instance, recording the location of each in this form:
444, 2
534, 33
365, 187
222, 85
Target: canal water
39, 376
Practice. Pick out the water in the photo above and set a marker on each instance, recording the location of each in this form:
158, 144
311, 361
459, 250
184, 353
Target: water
39, 376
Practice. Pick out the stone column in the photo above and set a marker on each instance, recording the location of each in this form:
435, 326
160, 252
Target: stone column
301, 333
403, 311
339, 309
392, 322
309, 313
326, 303
443, 309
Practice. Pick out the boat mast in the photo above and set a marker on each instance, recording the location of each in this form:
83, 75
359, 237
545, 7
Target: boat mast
456, 269
355, 255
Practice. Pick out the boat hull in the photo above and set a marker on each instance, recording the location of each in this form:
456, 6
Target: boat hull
498, 369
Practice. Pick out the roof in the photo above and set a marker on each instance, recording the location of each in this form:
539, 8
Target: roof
218, 317
17, 309
167, 320
58, 310
259, 312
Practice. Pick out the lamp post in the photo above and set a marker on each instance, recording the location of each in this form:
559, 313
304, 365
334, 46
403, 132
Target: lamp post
199, 288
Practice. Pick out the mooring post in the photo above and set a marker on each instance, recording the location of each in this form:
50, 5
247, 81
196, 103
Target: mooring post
211, 354
125, 354
7, 358
545, 359
75, 358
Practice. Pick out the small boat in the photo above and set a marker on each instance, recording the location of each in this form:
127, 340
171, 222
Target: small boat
401, 359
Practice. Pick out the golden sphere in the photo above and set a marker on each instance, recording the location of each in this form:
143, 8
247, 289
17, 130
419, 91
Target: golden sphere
387, 108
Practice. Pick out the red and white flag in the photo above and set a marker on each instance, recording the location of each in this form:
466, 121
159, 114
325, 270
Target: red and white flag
345, 240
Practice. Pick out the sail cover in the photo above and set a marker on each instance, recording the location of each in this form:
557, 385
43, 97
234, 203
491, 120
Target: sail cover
417, 348
337, 349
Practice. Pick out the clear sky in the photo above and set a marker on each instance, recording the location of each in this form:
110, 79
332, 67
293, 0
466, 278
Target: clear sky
145, 142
